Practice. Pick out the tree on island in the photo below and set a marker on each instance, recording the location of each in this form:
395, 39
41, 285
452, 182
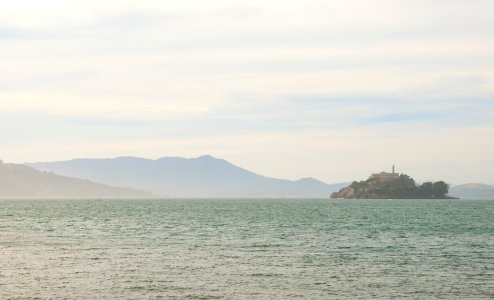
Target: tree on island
427, 189
440, 189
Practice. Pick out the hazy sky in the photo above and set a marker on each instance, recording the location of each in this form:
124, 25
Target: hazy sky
329, 89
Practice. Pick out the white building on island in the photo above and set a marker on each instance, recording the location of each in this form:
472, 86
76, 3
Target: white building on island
384, 176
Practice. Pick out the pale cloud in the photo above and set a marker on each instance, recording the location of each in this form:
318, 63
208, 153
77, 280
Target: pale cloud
286, 88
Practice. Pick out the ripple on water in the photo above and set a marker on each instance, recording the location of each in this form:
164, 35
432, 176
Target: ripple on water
246, 249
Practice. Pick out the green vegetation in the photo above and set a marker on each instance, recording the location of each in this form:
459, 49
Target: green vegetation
403, 187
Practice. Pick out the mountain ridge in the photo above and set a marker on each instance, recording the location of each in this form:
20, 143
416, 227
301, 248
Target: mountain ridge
473, 190
203, 176
17, 180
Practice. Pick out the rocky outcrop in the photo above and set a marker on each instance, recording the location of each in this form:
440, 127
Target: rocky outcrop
347, 193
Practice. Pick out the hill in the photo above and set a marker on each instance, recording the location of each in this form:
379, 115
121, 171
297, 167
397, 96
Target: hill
204, 176
473, 191
24, 181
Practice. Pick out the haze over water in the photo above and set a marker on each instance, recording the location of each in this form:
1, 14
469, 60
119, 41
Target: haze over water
246, 249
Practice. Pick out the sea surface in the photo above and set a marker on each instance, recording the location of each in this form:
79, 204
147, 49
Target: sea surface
246, 249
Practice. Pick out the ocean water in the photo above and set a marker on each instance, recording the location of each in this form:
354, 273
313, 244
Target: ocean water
246, 249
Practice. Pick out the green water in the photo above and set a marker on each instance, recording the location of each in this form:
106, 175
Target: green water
246, 249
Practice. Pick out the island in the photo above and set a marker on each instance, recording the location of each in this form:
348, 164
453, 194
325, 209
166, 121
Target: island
393, 186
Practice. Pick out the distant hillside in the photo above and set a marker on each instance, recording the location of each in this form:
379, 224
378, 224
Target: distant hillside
473, 191
24, 181
204, 176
